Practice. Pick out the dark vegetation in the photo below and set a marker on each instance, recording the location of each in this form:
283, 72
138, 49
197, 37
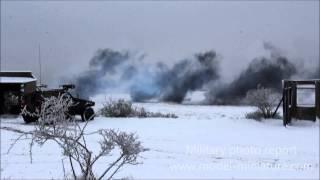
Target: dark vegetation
122, 108
265, 100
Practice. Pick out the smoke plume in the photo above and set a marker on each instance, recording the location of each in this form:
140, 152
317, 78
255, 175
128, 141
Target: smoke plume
187, 75
103, 64
129, 72
267, 72
110, 69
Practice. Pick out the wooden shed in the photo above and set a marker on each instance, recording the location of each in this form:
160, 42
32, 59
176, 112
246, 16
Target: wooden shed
12, 86
301, 100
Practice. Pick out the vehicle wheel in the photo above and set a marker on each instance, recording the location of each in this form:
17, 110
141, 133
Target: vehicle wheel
88, 114
68, 116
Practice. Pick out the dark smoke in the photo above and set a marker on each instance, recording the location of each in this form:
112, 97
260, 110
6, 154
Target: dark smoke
172, 85
126, 72
267, 72
190, 75
110, 69
103, 64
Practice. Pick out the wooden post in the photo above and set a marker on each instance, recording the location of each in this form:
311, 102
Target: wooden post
284, 106
293, 104
294, 95
288, 94
317, 94
275, 112
285, 102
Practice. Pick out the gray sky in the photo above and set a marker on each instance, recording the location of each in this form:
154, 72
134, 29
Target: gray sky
70, 32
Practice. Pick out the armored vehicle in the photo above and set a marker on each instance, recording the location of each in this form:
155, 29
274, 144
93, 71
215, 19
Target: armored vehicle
32, 102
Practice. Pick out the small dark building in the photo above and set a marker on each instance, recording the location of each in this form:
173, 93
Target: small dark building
12, 86
301, 100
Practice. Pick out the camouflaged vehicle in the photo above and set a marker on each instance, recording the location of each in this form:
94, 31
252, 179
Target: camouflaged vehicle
32, 102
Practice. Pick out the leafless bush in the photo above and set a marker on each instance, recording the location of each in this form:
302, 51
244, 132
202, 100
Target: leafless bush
265, 99
257, 115
71, 138
122, 108
53, 110
158, 114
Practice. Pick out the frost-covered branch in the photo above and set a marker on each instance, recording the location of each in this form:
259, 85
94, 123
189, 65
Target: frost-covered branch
265, 99
57, 126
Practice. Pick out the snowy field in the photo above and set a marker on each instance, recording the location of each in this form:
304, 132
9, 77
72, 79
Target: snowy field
204, 142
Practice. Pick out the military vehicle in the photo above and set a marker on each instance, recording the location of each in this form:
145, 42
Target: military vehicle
32, 103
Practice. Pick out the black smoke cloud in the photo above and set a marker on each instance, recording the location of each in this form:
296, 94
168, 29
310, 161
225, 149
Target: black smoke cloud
110, 69
267, 72
104, 63
172, 84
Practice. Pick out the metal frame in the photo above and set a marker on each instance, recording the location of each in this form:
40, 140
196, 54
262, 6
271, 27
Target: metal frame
290, 107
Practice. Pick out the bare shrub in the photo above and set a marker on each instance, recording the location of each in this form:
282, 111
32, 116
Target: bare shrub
53, 110
123, 108
265, 99
158, 114
256, 115
70, 135
120, 108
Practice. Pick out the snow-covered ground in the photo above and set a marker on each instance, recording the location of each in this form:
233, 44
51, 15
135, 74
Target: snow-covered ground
204, 142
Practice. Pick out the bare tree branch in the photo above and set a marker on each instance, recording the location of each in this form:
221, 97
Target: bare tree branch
72, 168
55, 125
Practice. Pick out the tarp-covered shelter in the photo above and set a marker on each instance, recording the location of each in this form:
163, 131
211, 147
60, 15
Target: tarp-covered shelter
12, 86
301, 100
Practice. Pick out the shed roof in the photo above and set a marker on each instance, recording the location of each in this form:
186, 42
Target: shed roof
16, 77
16, 80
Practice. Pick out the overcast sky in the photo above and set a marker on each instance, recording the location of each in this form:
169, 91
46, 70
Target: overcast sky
70, 32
